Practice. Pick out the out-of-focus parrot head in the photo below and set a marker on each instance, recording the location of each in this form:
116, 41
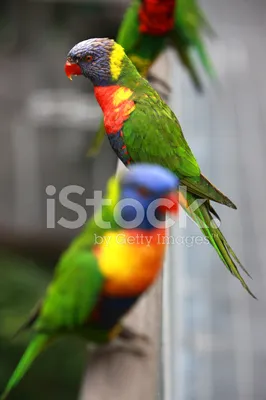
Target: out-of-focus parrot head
98, 59
148, 188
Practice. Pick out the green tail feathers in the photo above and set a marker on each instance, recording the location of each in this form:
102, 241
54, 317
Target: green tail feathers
201, 214
37, 345
204, 189
205, 59
184, 51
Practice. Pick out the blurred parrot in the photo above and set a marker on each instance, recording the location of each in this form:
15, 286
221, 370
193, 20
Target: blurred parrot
142, 128
147, 27
104, 271
149, 24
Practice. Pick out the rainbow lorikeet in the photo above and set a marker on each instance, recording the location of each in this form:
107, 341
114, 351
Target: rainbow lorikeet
142, 128
149, 24
147, 27
97, 281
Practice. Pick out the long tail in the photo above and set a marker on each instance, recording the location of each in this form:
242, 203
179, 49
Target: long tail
183, 52
202, 19
201, 214
97, 142
190, 24
37, 345
205, 59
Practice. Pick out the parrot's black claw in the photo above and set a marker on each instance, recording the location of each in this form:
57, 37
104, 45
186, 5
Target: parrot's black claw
130, 335
122, 347
160, 85
155, 79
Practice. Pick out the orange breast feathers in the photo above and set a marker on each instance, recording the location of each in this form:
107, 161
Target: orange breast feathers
116, 105
130, 260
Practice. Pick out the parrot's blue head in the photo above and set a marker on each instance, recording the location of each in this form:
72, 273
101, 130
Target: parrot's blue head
148, 191
98, 59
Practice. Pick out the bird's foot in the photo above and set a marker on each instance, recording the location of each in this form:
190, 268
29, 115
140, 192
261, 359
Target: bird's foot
155, 79
160, 85
129, 334
122, 347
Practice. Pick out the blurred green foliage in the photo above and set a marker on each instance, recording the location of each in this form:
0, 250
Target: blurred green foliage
57, 373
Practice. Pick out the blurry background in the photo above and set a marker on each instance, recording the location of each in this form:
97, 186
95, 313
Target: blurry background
216, 332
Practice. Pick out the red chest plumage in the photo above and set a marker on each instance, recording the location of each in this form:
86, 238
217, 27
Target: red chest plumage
115, 104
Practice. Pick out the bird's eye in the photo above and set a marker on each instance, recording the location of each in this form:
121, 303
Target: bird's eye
144, 191
89, 58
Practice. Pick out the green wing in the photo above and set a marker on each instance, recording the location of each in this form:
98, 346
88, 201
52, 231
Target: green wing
153, 134
190, 22
72, 295
192, 10
128, 33
186, 58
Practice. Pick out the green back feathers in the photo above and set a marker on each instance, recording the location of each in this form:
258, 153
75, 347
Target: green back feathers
72, 294
158, 137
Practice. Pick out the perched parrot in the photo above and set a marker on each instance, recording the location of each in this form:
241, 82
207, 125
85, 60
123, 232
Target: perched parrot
142, 128
104, 271
148, 26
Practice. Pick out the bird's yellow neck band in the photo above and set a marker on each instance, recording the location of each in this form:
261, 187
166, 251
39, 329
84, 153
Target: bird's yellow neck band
116, 59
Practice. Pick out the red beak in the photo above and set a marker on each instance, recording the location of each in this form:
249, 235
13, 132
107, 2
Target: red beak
172, 205
72, 69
